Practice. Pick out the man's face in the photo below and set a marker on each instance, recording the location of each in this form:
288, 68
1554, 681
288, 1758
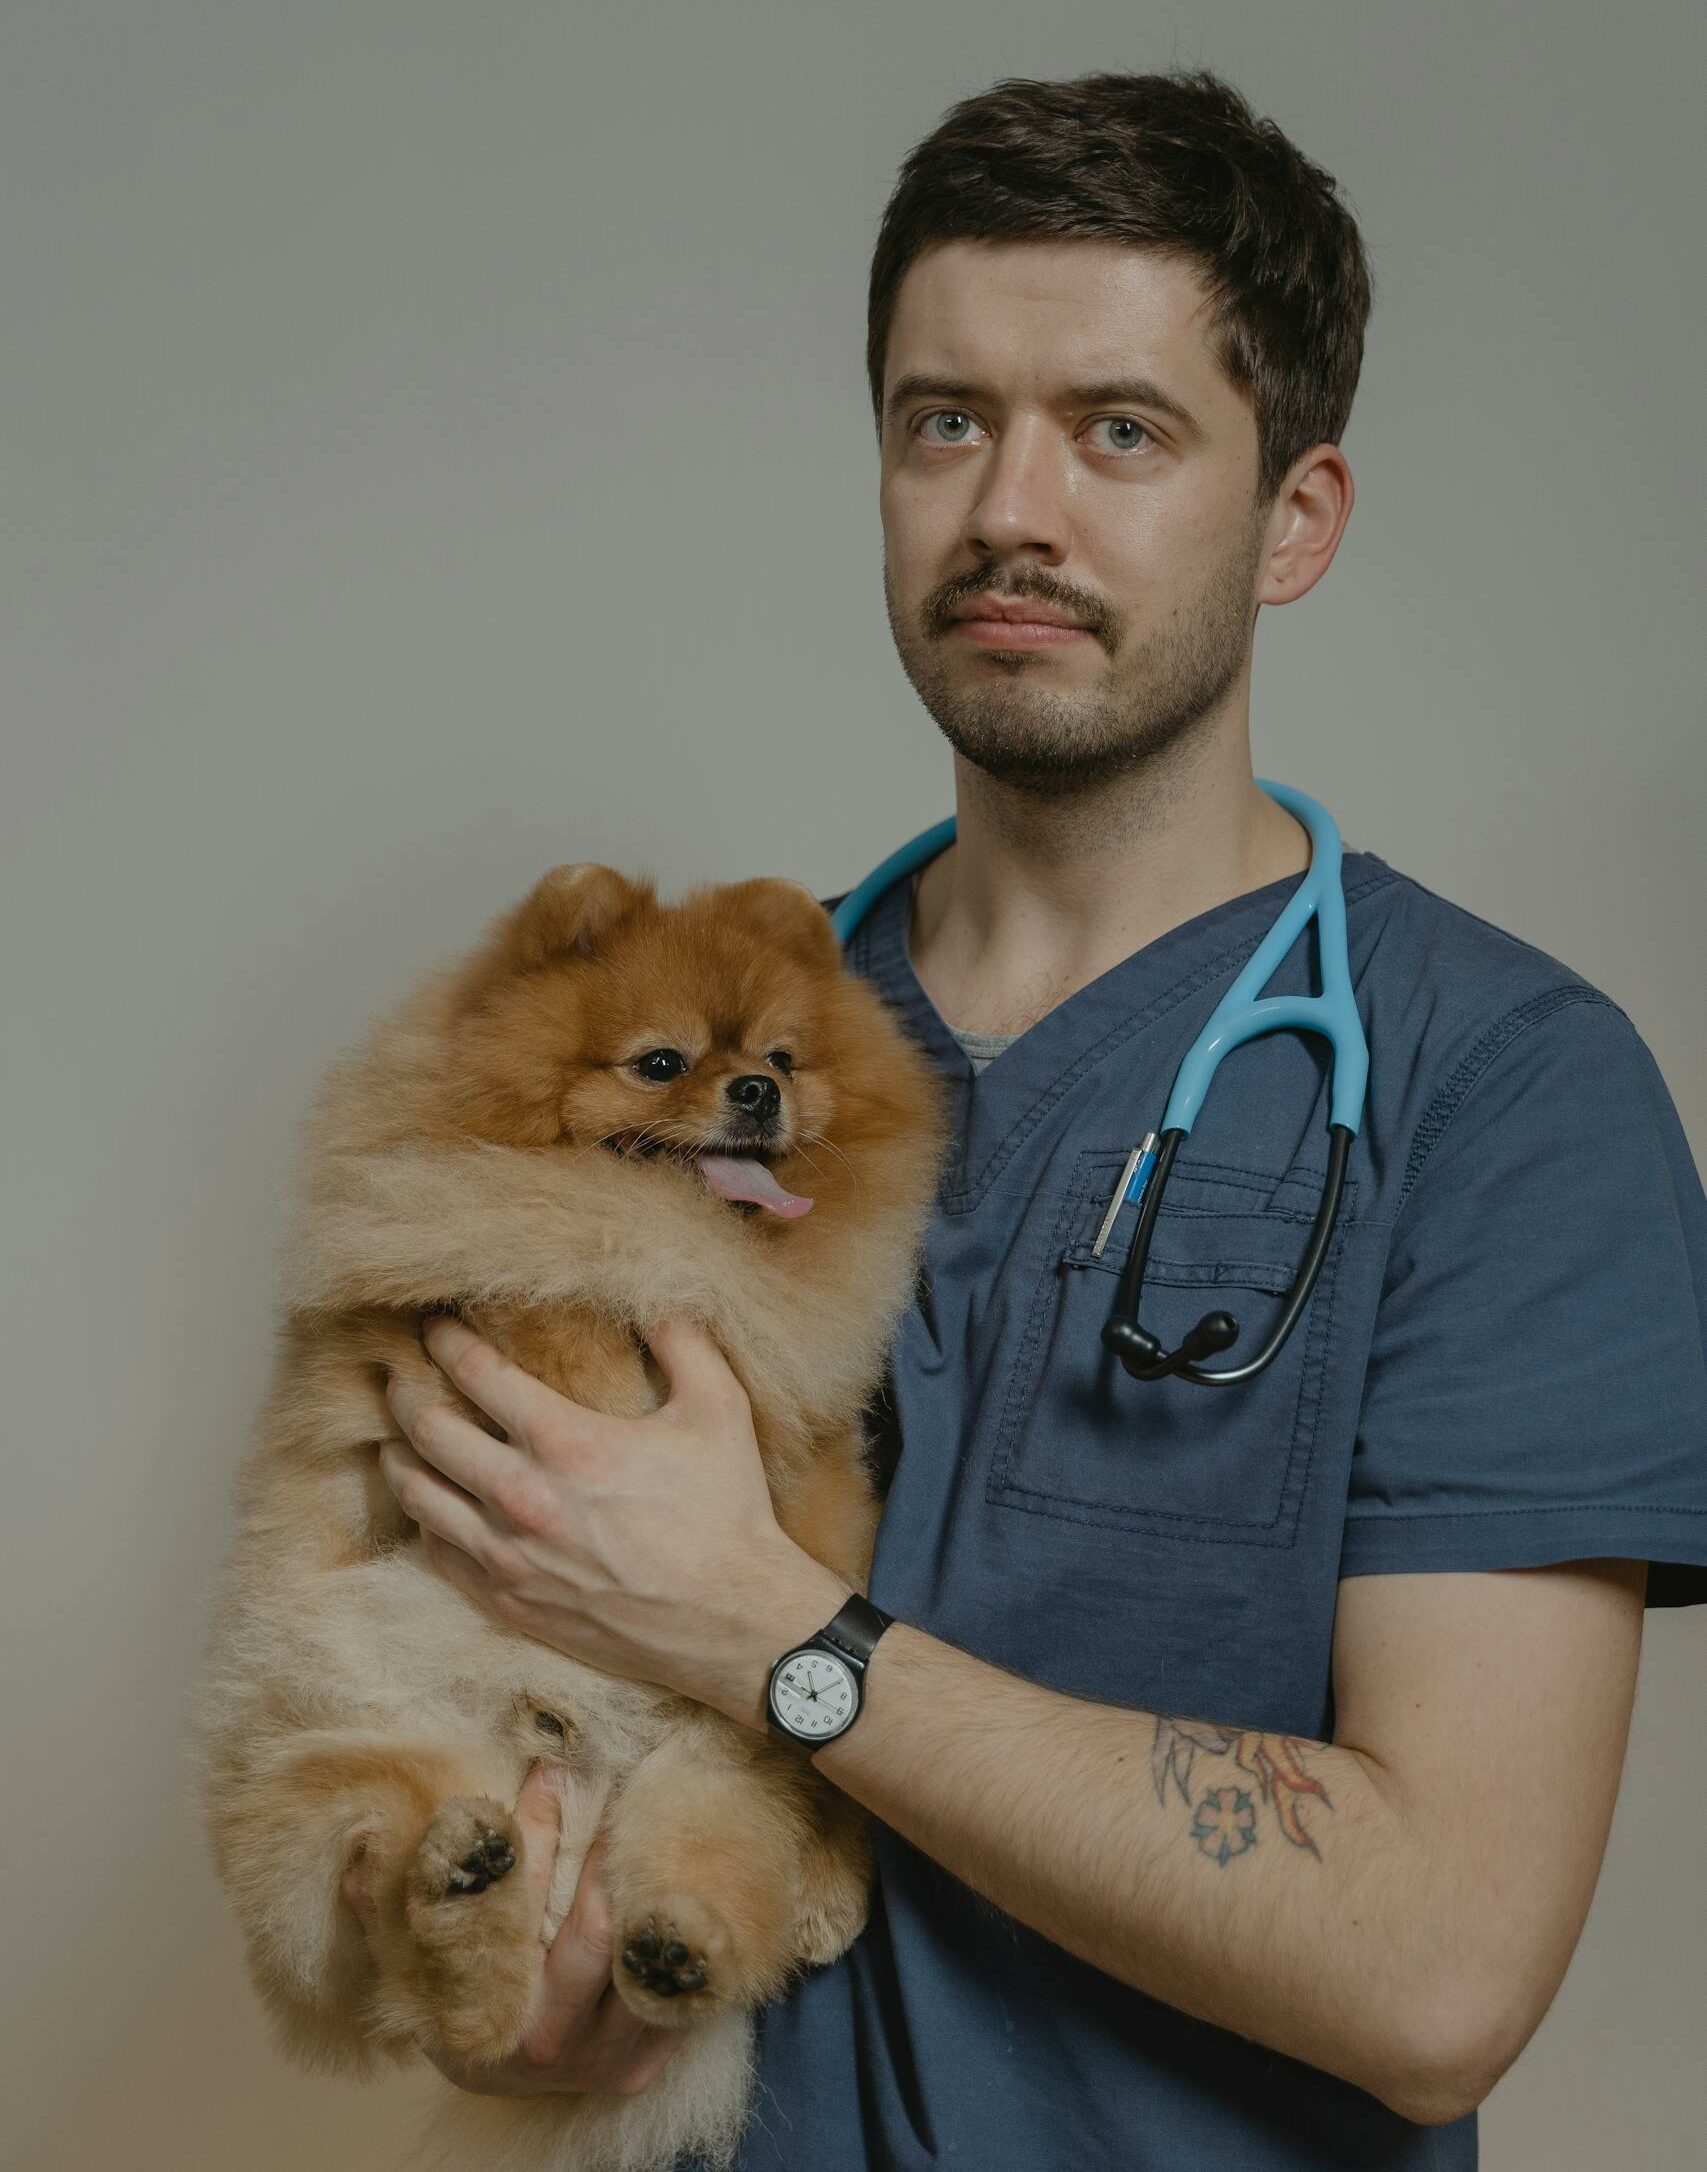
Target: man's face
1000, 479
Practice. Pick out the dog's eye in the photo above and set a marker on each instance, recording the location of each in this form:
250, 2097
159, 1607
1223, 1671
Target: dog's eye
661, 1064
780, 1060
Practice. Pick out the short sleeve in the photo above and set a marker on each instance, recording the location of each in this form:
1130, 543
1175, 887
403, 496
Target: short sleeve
1537, 1380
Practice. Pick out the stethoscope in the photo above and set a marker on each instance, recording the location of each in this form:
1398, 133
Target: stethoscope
1240, 1016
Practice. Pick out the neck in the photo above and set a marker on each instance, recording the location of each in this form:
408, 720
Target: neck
1036, 898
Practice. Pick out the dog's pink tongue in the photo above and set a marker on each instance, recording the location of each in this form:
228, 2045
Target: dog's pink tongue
733, 1176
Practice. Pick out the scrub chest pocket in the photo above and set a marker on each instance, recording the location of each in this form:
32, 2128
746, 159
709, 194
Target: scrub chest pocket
1077, 1438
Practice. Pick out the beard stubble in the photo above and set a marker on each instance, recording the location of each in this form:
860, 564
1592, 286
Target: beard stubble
1002, 713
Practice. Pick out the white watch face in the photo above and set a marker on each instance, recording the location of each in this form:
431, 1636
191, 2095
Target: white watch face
814, 1694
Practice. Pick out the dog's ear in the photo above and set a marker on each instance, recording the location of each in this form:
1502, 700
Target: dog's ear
790, 914
569, 913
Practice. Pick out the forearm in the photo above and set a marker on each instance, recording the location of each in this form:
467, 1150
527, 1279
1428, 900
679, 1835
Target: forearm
1262, 1883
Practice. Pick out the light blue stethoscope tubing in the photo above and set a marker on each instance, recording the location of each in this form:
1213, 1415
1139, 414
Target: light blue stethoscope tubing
1242, 1014
900, 864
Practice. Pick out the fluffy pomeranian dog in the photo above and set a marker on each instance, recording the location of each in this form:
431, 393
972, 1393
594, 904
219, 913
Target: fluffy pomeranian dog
614, 1111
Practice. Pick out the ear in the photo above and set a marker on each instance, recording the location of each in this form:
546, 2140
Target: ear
790, 914
569, 913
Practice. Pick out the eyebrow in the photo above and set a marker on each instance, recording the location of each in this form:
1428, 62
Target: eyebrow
1118, 391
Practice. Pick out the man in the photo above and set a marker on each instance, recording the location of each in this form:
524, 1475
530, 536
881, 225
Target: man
1244, 1756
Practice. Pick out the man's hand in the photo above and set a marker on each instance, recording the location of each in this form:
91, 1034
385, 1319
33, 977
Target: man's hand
580, 2034
647, 1547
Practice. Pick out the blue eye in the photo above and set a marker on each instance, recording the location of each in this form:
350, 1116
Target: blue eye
661, 1064
935, 415
959, 414
1125, 422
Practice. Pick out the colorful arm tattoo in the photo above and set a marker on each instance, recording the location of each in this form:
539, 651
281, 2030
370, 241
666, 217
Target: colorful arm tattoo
1224, 1822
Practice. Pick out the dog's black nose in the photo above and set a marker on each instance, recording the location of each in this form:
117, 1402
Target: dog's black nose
756, 1096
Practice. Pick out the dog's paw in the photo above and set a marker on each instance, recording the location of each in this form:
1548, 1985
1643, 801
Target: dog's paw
484, 1864
478, 1955
676, 1960
470, 1845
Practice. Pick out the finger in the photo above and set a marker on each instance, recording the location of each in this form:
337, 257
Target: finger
434, 1502
578, 1964
520, 1402
450, 1441
695, 1370
539, 1814
625, 2045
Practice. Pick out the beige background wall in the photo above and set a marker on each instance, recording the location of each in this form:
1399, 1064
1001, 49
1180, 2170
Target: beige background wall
434, 444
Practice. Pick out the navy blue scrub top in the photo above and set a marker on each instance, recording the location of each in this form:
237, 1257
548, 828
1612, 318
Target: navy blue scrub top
1502, 1365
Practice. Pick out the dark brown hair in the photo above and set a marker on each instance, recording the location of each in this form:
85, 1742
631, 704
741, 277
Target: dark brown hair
1176, 162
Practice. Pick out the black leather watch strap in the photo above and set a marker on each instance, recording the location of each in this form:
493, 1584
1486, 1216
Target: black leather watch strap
856, 1628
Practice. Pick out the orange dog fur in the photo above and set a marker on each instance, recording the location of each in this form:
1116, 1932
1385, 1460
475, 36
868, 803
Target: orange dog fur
491, 1147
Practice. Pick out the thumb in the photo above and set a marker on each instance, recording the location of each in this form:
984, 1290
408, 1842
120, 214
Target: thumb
588, 1931
539, 1814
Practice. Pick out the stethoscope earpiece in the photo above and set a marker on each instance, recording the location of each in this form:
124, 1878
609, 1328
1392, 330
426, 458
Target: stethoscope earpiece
1133, 1345
1143, 1356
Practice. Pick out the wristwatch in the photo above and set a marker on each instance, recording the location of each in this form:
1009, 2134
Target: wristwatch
817, 1688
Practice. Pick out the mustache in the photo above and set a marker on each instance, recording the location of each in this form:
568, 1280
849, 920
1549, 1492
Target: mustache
942, 610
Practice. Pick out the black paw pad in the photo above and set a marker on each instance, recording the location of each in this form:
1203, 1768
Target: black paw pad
484, 1864
663, 1963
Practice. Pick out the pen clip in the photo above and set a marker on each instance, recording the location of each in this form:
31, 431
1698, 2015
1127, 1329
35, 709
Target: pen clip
1126, 1188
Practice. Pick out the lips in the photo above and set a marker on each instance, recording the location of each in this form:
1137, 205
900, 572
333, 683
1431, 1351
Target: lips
1018, 611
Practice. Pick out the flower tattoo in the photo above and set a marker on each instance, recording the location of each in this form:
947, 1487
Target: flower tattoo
1225, 1821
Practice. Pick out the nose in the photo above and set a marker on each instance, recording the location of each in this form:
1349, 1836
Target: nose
756, 1096
1023, 504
